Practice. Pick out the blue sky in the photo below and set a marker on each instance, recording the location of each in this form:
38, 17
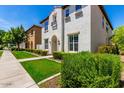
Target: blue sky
115, 14
12, 16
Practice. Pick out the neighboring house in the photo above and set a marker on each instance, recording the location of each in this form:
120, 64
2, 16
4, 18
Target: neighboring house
75, 28
22, 45
33, 37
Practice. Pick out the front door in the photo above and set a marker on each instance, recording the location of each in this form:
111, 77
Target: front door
54, 43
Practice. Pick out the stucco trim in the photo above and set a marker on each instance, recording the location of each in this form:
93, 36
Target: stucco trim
73, 33
44, 20
33, 27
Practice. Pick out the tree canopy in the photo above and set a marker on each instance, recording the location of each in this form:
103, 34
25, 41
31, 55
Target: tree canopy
118, 37
2, 32
13, 36
18, 35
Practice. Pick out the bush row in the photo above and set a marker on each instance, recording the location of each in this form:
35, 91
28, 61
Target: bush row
39, 52
90, 70
60, 55
1, 48
111, 49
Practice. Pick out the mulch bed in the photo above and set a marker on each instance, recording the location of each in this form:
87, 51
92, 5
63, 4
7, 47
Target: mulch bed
53, 83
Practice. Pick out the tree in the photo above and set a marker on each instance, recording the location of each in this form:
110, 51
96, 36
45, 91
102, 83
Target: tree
18, 35
118, 37
2, 32
7, 38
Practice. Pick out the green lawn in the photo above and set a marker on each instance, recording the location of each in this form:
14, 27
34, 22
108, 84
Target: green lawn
41, 69
22, 54
1, 53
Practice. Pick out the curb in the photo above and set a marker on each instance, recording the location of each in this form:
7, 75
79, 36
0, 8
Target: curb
54, 60
31, 59
49, 78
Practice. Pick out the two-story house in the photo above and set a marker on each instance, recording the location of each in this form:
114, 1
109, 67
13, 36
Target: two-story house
34, 37
75, 28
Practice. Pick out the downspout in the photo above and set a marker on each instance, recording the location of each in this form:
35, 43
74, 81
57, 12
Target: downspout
63, 39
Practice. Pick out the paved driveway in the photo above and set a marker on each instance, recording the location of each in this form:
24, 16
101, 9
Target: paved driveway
12, 74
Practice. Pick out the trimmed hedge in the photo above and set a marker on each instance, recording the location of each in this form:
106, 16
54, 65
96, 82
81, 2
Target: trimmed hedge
110, 49
44, 52
58, 55
16, 49
90, 70
39, 52
1, 48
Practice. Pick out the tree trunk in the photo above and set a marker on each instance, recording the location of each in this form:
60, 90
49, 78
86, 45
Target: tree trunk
18, 46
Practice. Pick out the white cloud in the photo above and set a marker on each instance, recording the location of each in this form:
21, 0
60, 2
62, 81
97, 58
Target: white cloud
4, 24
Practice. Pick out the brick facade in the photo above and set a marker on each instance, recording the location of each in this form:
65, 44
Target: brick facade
33, 37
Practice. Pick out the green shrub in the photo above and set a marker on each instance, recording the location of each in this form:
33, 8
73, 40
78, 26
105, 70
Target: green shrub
44, 53
22, 49
39, 52
111, 49
58, 55
1, 48
90, 70
16, 49
13, 48
26, 49
36, 51
121, 52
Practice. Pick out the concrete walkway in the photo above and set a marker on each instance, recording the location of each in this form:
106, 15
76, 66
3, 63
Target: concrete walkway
122, 73
12, 74
35, 58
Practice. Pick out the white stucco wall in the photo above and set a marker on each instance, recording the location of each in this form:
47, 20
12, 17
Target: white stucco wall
98, 33
89, 27
81, 25
22, 45
58, 32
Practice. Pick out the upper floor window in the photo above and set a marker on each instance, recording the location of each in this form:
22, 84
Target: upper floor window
46, 43
102, 22
46, 25
78, 7
67, 13
107, 27
54, 22
54, 18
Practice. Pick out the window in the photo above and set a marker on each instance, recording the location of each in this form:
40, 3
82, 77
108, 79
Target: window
54, 18
107, 27
73, 42
46, 43
102, 22
78, 7
67, 13
46, 25
54, 22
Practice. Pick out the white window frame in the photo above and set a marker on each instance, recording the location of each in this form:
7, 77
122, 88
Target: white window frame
46, 25
78, 8
73, 43
67, 13
46, 45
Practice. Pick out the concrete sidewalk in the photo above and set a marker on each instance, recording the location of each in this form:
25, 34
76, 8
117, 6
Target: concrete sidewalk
34, 58
12, 74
